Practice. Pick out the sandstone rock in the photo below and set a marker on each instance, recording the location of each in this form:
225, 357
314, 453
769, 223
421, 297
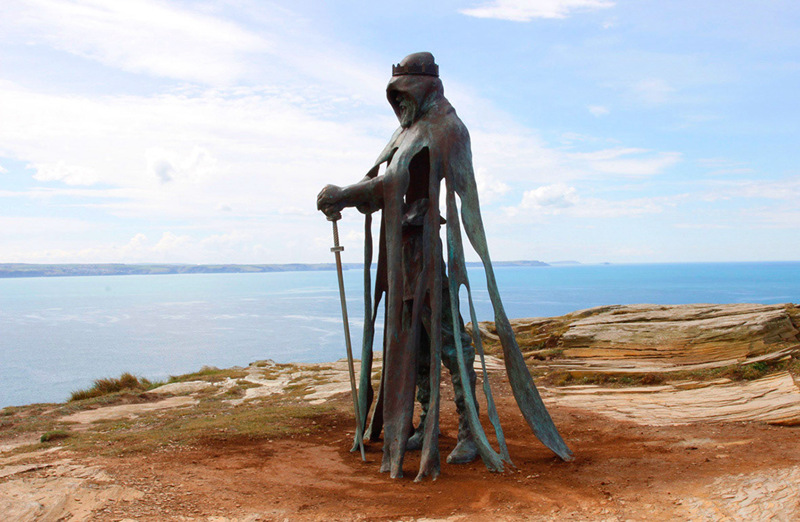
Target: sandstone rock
127, 410
67, 492
681, 333
180, 388
774, 399
659, 338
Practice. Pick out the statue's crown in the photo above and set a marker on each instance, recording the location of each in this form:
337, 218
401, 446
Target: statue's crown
424, 69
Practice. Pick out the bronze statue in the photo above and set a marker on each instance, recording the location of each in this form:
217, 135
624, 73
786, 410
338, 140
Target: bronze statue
423, 325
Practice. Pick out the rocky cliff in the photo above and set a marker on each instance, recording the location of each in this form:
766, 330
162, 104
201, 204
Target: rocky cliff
638, 339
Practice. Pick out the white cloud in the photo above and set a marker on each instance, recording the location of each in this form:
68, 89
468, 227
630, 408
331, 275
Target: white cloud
196, 165
235, 170
514, 154
244, 159
627, 161
27, 226
774, 217
489, 187
781, 190
564, 200
180, 155
527, 10
296, 211
142, 36
596, 208
654, 91
703, 226
172, 243
170, 247
725, 167
557, 196
599, 110
69, 174
519, 157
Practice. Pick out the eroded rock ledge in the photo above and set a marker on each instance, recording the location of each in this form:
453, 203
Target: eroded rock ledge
659, 338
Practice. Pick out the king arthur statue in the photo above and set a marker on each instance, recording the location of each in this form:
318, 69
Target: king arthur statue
428, 154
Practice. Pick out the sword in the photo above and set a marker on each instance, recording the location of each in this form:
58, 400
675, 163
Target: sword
337, 251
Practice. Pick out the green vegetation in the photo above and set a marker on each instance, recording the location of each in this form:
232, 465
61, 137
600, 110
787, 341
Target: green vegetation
108, 386
53, 435
212, 419
209, 421
36, 418
238, 390
210, 374
546, 354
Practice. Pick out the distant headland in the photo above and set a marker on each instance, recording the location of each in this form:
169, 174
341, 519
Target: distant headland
8, 270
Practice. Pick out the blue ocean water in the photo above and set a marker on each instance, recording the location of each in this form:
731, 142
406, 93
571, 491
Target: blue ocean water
59, 334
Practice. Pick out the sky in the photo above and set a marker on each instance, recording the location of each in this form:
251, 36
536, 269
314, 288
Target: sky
150, 131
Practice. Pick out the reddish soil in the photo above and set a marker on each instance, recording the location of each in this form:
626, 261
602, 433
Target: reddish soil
621, 470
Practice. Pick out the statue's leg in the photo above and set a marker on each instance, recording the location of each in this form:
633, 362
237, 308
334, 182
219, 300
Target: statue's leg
466, 450
399, 405
423, 386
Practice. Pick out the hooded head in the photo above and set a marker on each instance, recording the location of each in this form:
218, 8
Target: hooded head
414, 87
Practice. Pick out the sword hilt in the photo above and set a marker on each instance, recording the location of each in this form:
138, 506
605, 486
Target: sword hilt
333, 219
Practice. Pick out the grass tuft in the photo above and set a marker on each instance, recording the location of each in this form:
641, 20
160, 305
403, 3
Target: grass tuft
101, 387
210, 374
53, 435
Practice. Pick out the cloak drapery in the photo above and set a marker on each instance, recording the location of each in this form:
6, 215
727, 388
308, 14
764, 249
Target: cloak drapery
432, 149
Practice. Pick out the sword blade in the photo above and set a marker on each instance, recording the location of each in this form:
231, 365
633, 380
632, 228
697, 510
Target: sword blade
359, 420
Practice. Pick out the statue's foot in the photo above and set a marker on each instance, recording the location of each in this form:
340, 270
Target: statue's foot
415, 441
465, 452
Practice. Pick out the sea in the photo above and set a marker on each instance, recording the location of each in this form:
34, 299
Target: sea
58, 334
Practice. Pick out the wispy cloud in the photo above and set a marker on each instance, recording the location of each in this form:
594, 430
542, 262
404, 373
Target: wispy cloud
61, 171
787, 189
627, 161
237, 245
489, 187
142, 36
565, 200
527, 10
178, 154
520, 157
599, 110
653, 91
35, 226
725, 167
557, 196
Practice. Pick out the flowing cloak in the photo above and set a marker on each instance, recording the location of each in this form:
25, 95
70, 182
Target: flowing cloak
435, 147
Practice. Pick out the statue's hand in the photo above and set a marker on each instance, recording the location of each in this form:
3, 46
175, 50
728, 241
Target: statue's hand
330, 200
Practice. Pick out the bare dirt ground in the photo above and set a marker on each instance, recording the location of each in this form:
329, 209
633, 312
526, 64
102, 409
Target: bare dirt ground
622, 471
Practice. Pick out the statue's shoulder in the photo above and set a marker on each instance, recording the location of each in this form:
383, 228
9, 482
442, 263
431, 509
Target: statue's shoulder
450, 128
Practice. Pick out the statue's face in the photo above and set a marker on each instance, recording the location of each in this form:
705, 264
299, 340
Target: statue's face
408, 109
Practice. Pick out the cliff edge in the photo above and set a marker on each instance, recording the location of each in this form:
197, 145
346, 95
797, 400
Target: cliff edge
673, 412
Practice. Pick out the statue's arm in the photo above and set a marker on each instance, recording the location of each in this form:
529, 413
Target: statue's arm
366, 195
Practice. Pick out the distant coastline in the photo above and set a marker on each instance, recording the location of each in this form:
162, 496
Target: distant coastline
12, 270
